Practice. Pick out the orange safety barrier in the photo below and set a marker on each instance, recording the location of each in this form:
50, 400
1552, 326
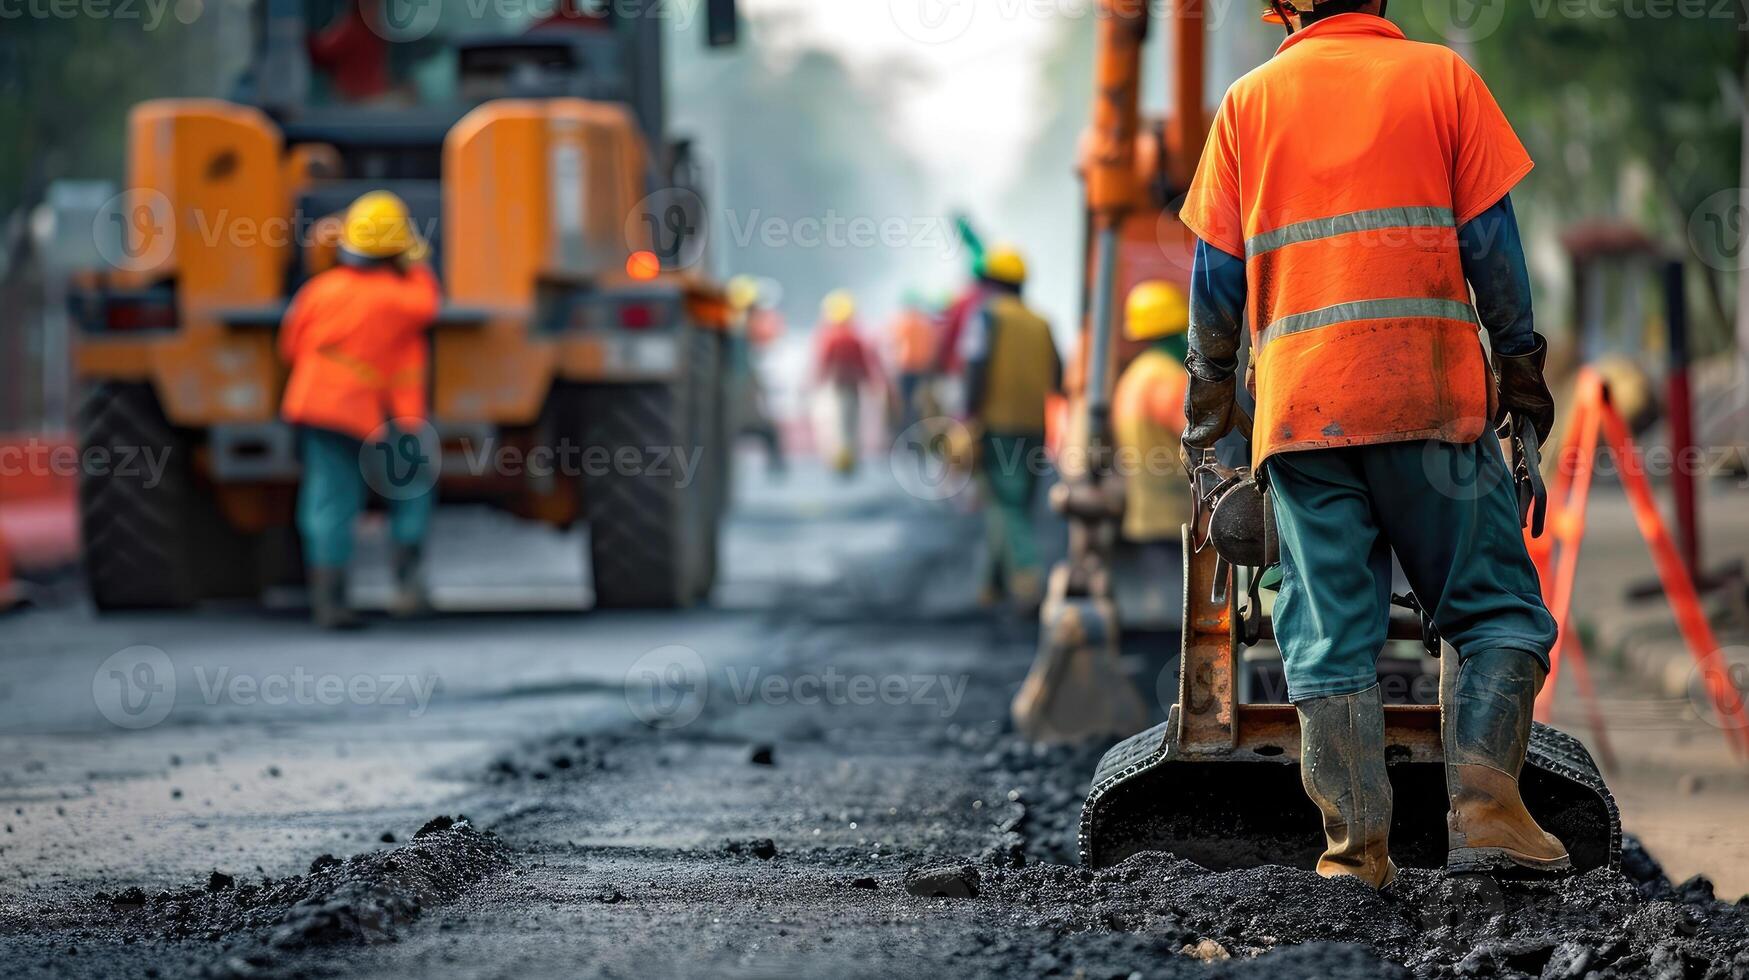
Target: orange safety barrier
1556, 555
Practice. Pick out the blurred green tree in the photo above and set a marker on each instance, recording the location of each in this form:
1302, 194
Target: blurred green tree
1632, 111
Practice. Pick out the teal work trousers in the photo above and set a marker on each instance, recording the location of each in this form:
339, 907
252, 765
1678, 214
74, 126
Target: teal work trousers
339, 474
1449, 512
1009, 469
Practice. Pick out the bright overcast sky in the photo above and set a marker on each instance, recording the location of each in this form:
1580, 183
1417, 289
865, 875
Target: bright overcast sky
974, 105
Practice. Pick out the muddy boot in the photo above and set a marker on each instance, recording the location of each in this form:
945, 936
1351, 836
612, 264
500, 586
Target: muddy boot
1342, 764
328, 600
412, 599
1486, 729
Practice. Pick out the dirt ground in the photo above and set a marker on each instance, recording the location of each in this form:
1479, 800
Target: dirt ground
816, 778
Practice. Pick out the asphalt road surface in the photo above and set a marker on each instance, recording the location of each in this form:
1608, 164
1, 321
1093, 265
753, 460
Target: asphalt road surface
812, 777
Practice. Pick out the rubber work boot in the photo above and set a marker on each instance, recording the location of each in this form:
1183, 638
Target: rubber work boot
1486, 730
1342, 764
412, 599
328, 600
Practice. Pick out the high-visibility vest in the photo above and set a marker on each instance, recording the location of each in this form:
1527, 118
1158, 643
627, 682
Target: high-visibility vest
1021, 367
1147, 415
1341, 171
356, 342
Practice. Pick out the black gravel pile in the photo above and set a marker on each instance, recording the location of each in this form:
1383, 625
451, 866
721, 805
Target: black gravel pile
364, 899
1597, 926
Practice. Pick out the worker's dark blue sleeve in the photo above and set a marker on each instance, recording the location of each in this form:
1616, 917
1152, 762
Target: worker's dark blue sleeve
1493, 255
975, 347
1217, 313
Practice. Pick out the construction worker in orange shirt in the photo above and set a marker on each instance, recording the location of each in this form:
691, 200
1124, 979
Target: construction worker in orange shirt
914, 339
355, 337
1354, 190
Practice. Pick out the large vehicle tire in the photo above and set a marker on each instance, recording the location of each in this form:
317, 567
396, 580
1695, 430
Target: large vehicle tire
711, 420
136, 533
643, 527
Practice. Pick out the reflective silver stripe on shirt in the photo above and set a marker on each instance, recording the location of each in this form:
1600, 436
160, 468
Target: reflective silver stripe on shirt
1348, 224
1371, 309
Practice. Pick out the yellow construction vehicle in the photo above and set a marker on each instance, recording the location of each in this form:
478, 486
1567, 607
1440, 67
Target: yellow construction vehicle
577, 368
1218, 783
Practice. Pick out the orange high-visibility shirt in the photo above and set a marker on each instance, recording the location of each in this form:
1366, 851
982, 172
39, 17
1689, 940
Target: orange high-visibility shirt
355, 340
1147, 415
914, 342
1341, 170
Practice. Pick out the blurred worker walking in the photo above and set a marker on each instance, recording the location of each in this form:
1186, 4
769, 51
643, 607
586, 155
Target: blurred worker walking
1147, 416
913, 339
355, 337
1360, 181
753, 325
844, 362
1012, 367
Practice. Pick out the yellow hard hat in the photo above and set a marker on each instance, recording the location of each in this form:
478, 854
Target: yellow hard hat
743, 292
838, 306
1156, 309
378, 226
1005, 264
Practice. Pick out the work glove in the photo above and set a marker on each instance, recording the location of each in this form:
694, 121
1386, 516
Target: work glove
1208, 414
1524, 392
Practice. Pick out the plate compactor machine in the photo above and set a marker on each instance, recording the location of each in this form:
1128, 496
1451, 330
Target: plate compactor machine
1219, 782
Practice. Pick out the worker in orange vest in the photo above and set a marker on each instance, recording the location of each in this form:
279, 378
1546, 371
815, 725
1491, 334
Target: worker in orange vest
913, 338
1353, 191
355, 338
